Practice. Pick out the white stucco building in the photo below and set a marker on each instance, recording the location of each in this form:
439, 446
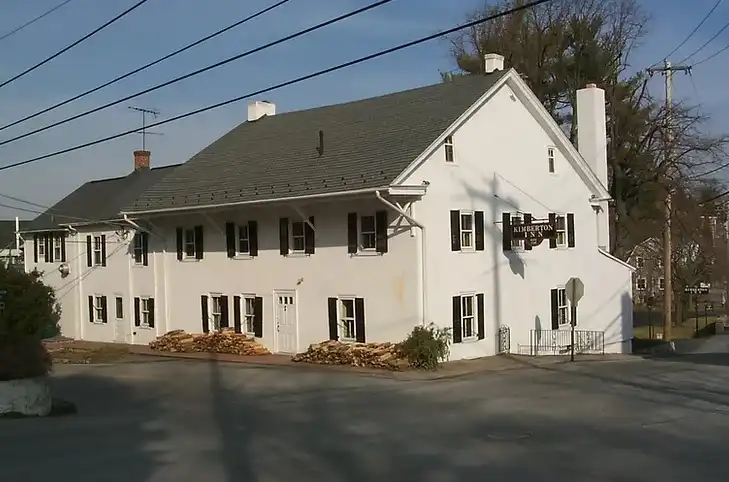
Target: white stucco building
356, 221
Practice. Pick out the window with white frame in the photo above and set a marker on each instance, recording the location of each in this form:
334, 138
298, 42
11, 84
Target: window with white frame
467, 230
99, 309
119, 305
661, 283
243, 239
144, 311
639, 262
249, 314
41, 246
563, 309
347, 324
368, 232
216, 311
550, 159
98, 251
189, 238
561, 230
468, 317
449, 151
57, 247
517, 219
140, 239
641, 284
298, 242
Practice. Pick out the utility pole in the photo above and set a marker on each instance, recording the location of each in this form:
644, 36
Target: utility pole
144, 132
668, 70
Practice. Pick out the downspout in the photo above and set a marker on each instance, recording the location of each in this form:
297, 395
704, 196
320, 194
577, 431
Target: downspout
421, 261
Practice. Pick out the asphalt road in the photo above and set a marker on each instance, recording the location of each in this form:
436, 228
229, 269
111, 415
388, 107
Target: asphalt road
175, 421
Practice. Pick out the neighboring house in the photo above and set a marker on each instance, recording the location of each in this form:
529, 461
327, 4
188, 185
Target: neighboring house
11, 245
647, 257
360, 221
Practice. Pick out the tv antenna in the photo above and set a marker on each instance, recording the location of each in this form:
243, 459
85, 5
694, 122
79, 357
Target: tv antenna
144, 132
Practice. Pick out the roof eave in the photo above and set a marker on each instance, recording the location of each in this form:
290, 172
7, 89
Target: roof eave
181, 209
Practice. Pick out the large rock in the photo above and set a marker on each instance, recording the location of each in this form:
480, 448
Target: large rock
26, 396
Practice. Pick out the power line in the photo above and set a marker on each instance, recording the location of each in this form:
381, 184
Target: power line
202, 70
31, 22
66, 49
151, 64
287, 83
715, 54
706, 17
706, 43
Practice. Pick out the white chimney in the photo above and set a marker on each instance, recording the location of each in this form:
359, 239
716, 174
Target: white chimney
592, 144
260, 108
493, 62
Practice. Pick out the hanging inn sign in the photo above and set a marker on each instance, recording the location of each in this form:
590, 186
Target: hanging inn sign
534, 232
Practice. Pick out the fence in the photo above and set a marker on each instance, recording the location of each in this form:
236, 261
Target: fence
559, 342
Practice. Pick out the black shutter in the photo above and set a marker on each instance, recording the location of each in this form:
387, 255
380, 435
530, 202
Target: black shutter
204, 311
573, 315
309, 236
236, 314
333, 320
481, 319
553, 222
145, 249
571, 230
103, 250
479, 226
527, 221
253, 238
506, 231
49, 248
137, 312
63, 247
150, 307
91, 309
359, 319
455, 230
179, 244
283, 236
35, 248
381, 225
103, 309
230, 239
352, 233
258, 317
224, 312
555, 310
457, 327
199, 245
89, 251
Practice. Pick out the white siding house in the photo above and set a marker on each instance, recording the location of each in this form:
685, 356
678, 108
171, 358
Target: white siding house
362, 220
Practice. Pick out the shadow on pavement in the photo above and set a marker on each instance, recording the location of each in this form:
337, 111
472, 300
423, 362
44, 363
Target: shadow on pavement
110, 439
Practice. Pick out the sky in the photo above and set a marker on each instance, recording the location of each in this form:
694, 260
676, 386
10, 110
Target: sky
161, 26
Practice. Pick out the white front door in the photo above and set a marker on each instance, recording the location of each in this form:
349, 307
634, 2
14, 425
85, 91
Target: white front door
286, 326
120, 331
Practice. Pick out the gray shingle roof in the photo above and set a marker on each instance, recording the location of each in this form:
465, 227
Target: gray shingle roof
367, 144
98, 200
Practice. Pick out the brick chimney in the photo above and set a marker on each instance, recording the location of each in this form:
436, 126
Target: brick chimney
141, 160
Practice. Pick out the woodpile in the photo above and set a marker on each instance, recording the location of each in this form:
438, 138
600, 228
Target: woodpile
370, 355
225, 341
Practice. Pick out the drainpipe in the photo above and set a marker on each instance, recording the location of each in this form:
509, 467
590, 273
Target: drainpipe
421, 261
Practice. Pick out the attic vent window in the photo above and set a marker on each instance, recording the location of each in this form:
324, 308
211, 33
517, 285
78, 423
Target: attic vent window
449, 154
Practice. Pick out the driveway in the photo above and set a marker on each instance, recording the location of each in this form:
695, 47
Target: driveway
177, 421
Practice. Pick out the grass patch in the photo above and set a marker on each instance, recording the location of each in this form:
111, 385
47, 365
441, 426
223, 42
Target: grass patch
84, 355
681, 331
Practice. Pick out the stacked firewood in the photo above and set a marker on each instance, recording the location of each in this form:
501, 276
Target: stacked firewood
225, 341
371, 355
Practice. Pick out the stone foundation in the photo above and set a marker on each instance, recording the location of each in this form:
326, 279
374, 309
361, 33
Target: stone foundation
28, 396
